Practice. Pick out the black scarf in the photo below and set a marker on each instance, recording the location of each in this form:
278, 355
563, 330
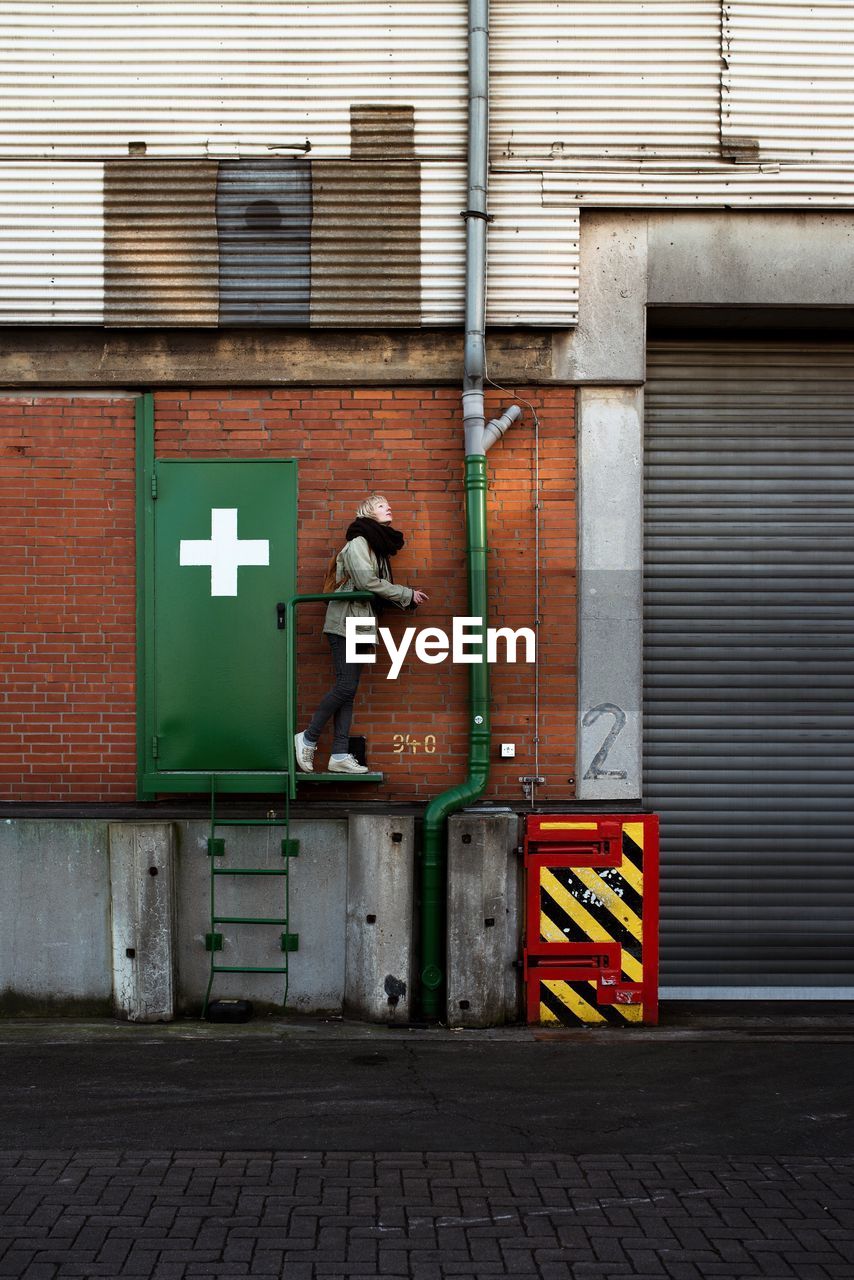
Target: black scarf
384, 541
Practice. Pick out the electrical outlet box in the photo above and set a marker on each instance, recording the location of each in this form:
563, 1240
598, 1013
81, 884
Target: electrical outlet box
508, 750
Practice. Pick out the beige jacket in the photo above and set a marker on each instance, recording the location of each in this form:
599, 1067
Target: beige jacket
360, 568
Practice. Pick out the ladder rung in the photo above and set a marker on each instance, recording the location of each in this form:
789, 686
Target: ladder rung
249, 968
249, 871
249, 920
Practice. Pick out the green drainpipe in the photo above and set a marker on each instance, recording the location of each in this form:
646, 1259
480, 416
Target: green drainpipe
441, 806
479, 435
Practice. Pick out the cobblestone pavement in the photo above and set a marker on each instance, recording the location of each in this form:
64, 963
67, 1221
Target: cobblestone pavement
306, 1215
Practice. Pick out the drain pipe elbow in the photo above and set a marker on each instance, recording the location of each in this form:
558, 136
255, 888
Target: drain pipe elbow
495, 429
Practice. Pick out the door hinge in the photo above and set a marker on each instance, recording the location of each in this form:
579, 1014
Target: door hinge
154, 484
155, 749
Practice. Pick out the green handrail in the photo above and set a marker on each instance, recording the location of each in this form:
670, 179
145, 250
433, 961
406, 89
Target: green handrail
291, 668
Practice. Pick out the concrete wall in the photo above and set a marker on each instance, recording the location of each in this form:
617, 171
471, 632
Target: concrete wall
380, 901
101, 918
59, 953
144, 919
318, 904
485, 906
55, 950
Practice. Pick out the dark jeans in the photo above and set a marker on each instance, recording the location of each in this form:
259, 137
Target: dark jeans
338, 702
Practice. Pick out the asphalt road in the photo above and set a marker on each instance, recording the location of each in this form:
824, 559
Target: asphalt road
292, 1089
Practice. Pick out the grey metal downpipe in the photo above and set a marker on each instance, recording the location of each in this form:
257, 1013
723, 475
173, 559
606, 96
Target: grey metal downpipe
476, 217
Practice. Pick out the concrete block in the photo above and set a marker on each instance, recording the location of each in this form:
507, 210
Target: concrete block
380, 877
54, 917
318, 895
609, 345
143, 910
484, 919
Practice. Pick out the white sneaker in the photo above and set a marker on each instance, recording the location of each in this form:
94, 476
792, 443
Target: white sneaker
346, 764
304, 753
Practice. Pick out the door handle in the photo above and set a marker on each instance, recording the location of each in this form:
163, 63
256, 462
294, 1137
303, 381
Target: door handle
280, 615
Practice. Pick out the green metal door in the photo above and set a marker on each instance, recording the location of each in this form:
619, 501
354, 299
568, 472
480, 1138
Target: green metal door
224, 557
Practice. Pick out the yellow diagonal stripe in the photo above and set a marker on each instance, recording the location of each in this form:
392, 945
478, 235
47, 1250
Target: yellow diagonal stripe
573, 1002
634, 830
632, 875
631, 1012
590, 926
610, 900
549, 931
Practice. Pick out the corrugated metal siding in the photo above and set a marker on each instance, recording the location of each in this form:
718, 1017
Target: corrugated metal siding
604, 78
725, 187
443, 243
787, 79
532, 252
85, 77
532, 255
51, 244
749, 661
365, 243
161, 257
263, 215
179, 249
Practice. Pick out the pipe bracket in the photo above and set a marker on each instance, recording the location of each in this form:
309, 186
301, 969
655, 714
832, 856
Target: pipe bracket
477, 213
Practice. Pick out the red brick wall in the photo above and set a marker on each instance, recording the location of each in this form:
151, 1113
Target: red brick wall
67, 704
407, 445
68, 574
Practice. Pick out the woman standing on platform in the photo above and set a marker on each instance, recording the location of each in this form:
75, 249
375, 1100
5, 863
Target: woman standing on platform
363, 564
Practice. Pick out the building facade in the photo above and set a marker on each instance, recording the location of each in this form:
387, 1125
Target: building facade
254, 226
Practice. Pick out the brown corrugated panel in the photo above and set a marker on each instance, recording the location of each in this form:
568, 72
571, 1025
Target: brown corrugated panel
160, 243
366, 243
382, 131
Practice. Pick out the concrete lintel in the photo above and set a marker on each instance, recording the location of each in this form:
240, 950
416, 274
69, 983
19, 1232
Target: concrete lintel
484, 919
142, 880
740, 258
85, 357
610, 593
380, 882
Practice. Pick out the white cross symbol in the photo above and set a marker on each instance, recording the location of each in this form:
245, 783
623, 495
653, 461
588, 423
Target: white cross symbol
224, 552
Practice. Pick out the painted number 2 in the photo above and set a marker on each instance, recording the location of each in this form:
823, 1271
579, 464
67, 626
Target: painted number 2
594, 769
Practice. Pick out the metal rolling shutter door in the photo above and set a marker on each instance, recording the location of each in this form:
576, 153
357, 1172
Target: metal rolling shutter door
749, 665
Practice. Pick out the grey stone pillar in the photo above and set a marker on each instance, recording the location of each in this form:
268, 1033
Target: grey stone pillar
142, 857
380, 876
484, 919
610, 600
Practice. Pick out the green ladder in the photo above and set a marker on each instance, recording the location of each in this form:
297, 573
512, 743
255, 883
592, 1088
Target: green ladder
216, 850
290, 848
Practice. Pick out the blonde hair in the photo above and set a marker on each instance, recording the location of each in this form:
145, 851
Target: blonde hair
367, 507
